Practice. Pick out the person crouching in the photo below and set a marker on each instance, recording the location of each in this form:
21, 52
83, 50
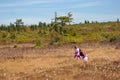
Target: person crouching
83, 55
77, 53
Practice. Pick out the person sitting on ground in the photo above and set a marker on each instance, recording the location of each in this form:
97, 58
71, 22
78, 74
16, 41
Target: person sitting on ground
77, 52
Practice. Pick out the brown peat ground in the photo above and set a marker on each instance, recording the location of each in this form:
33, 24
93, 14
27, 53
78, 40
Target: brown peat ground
58, 63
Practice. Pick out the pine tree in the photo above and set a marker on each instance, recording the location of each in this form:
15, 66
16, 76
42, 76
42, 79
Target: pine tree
19, 24
117, 20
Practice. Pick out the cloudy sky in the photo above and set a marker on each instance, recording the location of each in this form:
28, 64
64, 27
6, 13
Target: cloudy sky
34, 11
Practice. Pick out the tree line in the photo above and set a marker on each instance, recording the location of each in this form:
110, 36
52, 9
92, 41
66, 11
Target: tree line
19, 26
57, 22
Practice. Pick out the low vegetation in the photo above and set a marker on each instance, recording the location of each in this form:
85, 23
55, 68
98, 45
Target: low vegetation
57, 35
58, 63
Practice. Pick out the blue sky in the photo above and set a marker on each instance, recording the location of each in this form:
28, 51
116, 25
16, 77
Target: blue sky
34, 11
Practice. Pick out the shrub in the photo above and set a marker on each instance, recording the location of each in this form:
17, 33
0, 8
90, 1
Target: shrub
12, 36
55, 39
111, 36
114, 38
38, 43
15, 46
74, 34
4, 34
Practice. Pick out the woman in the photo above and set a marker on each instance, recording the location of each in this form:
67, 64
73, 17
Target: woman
77, 53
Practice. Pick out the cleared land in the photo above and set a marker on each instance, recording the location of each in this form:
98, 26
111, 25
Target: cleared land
57, 63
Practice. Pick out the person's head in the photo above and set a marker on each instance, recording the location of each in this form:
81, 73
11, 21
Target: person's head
80, 50
75, 47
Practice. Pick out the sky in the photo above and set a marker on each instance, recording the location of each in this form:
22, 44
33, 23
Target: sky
35, 11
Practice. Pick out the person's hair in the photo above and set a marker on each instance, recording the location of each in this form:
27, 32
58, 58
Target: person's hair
80, 50
75, 46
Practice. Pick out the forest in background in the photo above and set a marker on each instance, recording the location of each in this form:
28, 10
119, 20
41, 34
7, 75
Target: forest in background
60, 31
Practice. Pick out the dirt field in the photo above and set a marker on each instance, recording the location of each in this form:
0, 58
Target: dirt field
57, 63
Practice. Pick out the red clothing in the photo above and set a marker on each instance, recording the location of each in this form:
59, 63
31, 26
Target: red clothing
82, 54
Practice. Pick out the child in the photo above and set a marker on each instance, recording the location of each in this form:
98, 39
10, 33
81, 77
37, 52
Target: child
83, 55
77, 53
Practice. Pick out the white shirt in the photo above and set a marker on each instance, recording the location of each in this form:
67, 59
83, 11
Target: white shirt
77, 51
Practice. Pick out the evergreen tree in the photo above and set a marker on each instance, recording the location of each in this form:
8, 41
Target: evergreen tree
40, 25
65, 19
86, 22
19, 24
117, 20
12, 27
69, 17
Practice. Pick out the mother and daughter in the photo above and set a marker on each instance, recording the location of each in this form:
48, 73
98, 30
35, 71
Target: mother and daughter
80, 54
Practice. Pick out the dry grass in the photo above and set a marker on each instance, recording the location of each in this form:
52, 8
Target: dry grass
57, 63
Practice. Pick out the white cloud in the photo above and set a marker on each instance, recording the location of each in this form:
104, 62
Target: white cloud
1, 11
23, 3
27, 2
35, 20
6, 21
28, 20
81, 17
87, 4
13, 10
